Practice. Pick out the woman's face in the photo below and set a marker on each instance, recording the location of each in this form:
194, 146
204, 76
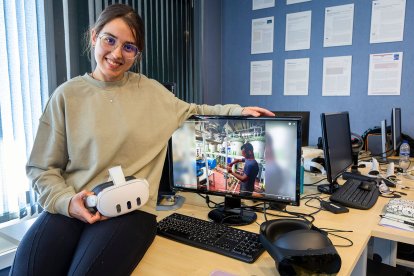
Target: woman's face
112, 62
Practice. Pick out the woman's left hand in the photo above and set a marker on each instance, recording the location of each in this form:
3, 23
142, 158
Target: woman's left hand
257, 111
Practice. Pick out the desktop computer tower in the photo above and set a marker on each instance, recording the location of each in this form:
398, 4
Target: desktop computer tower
379, 143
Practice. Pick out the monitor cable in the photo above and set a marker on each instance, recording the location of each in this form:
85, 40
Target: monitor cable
314, 183
291, 214
208, 201
327, 231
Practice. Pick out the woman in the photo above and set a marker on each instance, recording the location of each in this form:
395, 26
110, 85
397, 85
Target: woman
94, 122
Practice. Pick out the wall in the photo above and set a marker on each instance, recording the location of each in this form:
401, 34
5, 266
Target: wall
365, 111
211, 52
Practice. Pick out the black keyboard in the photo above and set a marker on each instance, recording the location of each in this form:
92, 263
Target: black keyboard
350, 195
219, 238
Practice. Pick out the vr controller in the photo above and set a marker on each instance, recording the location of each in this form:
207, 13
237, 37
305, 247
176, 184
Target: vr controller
119, 196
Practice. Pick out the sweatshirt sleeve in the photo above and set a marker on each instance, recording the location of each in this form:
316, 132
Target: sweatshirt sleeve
186, 110
48, 160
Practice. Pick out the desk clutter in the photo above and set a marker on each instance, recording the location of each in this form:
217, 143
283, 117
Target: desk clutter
296, 245
356, 180
398, 213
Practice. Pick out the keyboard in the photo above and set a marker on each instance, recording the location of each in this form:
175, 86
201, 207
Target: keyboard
350, 195
219, 238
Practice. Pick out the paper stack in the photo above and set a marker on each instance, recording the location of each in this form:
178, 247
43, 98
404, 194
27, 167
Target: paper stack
398, 213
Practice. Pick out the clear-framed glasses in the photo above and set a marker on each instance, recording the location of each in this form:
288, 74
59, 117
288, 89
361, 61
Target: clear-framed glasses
110, 43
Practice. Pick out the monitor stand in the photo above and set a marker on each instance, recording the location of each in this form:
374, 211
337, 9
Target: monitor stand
328, 188
174, 202
277, 206
232, 213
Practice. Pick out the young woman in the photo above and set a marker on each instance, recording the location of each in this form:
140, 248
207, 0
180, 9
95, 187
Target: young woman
93, 122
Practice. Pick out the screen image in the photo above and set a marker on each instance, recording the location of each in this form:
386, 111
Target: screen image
205, 148
305, 118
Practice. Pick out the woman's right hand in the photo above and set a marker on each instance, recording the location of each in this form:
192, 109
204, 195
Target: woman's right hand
78, 210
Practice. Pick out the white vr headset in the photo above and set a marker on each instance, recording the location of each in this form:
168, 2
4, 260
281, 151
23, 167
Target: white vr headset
119, 196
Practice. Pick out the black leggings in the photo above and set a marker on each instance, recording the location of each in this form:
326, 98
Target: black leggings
58, 245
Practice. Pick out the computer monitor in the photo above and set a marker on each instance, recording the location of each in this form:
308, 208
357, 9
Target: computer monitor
337, 148
167, 199
204, 147
396, 128
304, 115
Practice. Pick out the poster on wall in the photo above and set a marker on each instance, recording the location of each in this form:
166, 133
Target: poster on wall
263, 4
261, 77
339, 22
290, 2
385, 74
337, 76
262, 35
387, 21
296, 80
298, 31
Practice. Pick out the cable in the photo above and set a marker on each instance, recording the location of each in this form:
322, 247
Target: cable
207, 199
376, 155
291, 214
351, 243
314, 183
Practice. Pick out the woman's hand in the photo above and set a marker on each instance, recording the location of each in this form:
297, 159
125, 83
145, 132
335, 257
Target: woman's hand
78, 210
257, 111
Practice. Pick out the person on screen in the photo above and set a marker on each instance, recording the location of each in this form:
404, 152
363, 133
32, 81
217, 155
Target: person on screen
250, 171
277, 182
104, 118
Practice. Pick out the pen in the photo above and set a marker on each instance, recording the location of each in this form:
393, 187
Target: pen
399, 220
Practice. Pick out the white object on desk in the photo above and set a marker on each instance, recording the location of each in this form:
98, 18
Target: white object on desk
390, 169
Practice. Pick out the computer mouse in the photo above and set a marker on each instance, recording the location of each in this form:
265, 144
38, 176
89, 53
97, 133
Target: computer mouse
366, 186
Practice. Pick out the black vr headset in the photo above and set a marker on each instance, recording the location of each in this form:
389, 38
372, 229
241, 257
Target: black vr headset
298, 248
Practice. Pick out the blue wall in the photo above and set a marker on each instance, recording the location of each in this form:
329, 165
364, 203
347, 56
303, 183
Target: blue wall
365, 111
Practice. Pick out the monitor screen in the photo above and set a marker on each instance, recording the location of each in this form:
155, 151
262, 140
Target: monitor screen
262, 155
337, 147
396, 128
305, 116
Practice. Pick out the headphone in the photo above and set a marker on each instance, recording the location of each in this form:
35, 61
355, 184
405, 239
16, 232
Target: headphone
299, 248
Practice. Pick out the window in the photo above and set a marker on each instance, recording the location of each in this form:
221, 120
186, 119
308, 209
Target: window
24, 93
170, 42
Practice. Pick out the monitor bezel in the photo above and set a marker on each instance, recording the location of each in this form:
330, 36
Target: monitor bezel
305, 115
164, 187
332, 179
295, 202
393, 125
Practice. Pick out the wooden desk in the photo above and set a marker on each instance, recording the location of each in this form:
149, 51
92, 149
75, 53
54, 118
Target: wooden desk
166, 257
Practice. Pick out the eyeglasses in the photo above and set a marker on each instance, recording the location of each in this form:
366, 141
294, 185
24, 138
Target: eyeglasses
110, 43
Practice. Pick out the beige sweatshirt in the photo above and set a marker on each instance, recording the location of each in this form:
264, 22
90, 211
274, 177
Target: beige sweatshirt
89, 126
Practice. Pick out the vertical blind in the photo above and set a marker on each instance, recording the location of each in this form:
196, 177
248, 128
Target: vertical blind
24, 92
169, 42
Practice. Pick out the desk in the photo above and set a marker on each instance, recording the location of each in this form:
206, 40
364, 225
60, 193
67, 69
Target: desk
166, 257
